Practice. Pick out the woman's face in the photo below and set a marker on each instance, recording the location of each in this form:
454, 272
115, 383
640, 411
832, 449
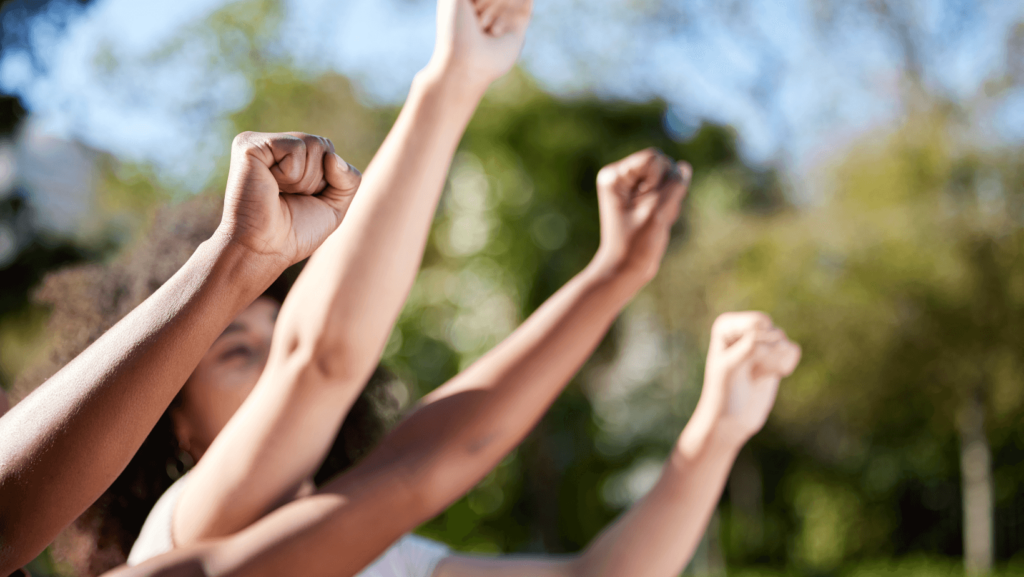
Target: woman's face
224, 377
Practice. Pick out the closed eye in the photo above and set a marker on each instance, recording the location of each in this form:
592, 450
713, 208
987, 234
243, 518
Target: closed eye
241, 351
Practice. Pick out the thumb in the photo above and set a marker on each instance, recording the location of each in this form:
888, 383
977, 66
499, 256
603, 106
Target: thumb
679, 186
342, 178
739, 351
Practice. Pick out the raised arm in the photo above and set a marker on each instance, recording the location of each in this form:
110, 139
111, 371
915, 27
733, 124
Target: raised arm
335, 322
465, 427
657, 536
67, 441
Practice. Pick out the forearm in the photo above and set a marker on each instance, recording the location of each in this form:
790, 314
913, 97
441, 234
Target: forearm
67, 441
351, 292
334, 324
658, 535
466, 426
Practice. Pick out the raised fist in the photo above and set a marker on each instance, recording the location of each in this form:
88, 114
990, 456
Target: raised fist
747, 358
480, 40
285, 194
639, 198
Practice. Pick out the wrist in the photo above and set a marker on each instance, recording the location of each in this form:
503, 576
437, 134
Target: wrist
607, 264
706, 434
616, 280
451, 81
237, 269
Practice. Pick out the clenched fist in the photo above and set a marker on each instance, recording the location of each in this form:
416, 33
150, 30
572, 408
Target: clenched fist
479, 40
639, 198
285, 194
747, 358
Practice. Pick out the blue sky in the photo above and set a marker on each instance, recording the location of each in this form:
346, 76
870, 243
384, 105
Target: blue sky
795, 87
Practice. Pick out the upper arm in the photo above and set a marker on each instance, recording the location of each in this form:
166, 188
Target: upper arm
265, 453
335, 532
505, 566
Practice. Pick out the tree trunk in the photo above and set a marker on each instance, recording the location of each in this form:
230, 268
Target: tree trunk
976, 475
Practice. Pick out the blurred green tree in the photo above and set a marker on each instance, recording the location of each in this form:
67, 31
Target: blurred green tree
28, 253
903, 286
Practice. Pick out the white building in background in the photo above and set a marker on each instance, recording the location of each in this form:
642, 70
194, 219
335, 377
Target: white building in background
57, 180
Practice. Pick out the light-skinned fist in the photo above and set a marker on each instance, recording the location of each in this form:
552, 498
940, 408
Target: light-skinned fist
639, 199
286, 194
478, 41
747, 358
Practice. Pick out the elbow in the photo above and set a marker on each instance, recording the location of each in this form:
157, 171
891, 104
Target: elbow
330, 345
325, 360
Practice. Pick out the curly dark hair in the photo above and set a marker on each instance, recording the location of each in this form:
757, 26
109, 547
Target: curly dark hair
86, 301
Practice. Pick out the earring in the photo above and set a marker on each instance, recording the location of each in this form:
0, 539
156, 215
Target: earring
183, 461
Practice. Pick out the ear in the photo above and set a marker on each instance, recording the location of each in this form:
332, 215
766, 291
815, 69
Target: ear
182, 426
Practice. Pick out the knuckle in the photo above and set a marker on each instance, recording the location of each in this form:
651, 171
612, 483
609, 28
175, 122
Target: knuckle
654, 156
721, 321
607, 175
759, 320
243, 140
292, 140
315, 145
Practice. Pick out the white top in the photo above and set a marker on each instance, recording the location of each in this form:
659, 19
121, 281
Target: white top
410, 556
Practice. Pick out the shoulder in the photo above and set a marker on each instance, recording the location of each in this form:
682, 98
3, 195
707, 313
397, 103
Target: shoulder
155, 537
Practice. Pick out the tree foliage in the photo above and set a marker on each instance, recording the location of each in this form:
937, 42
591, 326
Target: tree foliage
904, 286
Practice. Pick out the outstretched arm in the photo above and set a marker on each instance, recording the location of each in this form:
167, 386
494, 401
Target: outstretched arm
657, 536
335, 322
67, 441
465, 427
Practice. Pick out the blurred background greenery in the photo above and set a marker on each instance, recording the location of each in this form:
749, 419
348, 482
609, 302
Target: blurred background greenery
878, 222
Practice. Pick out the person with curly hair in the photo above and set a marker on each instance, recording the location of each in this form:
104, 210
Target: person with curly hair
86, 300
286, 193
308, 364
64, 444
